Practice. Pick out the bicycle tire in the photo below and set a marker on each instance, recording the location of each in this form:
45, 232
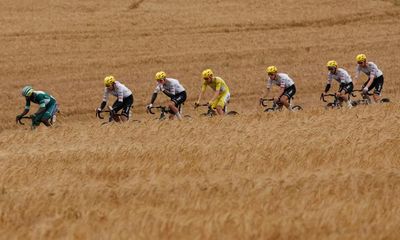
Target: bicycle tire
296, 108
232, 113
385, 100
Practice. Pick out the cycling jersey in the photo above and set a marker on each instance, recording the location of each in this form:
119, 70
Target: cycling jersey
119, 91
217, 84
171, 86
281, 79
341, 76
370, 69
39, 97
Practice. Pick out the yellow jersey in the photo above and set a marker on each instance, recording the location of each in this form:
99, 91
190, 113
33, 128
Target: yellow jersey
217, 84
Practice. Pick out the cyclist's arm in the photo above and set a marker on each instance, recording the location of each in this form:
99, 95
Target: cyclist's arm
153, 97
105, 98
370, 80
328, 84
357, 74
203, 89
27, 107
120, 97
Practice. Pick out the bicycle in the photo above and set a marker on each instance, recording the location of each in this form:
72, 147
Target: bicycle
277, 106
20, 121
113, 116
336, 103
164, 110
212, 112
365, 98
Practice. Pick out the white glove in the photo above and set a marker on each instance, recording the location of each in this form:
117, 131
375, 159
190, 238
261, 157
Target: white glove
149, 106
98, 109
365, 89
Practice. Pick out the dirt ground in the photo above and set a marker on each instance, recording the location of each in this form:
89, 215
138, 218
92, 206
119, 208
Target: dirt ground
314, 174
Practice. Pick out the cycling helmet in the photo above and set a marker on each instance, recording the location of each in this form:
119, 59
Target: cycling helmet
27, 91
207, 73
160, 76
109, 80
361, 57
271, 69
331, 63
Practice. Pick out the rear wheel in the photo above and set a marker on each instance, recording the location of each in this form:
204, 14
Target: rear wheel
232, 113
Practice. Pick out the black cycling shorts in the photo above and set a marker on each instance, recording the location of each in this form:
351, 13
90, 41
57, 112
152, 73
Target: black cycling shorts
377, 84
290, 91
126, 106
346, 87
179, 98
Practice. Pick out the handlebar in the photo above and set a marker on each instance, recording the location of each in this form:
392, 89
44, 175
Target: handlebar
323, 95
162, 109
263, 100
20, 122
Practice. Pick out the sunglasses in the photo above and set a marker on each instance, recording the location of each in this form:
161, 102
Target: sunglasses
360, 62
331, 68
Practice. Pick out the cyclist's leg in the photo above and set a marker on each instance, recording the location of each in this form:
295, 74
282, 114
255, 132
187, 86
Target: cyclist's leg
378, 84
220, 103
46, 117
287, 95
175, 103
126, 108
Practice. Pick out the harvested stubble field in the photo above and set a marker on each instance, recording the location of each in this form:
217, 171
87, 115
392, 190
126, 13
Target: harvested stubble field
314, 174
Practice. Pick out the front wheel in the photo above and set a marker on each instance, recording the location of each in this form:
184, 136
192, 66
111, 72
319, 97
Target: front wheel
296, 108
385, 100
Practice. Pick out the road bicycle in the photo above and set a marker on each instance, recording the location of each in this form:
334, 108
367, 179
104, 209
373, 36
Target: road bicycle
20, 120
112, 115
164, 111
334, 104
277, 106
212, 112
365, 98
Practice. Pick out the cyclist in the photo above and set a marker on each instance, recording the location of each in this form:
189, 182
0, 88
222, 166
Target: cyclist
286, 84
221, 95
343, 77
375, 76
124, 98
173, 89
47, 106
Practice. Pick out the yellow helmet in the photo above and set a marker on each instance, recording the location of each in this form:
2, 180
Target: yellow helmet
109, 80
361, 57
331, 63
160, 75
272, 69
27, 91
207, 73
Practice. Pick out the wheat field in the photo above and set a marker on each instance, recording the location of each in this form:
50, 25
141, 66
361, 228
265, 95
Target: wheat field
314, 174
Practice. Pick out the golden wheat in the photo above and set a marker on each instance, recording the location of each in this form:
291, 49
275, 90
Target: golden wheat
314, 174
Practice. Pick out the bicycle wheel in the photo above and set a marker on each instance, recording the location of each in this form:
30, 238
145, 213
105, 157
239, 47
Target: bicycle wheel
385, 100
269, 110
232, 113
296, 108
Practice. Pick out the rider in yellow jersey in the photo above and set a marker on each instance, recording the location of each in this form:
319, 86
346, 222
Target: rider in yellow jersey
221, 91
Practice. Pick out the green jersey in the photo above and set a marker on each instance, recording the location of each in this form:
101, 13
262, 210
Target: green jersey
42, 98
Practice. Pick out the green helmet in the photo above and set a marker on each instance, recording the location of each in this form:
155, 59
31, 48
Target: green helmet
27, 91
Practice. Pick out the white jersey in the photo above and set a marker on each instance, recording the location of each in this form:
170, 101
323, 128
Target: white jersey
119, 91
341, 75
282, 80
171, 86
370, 69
